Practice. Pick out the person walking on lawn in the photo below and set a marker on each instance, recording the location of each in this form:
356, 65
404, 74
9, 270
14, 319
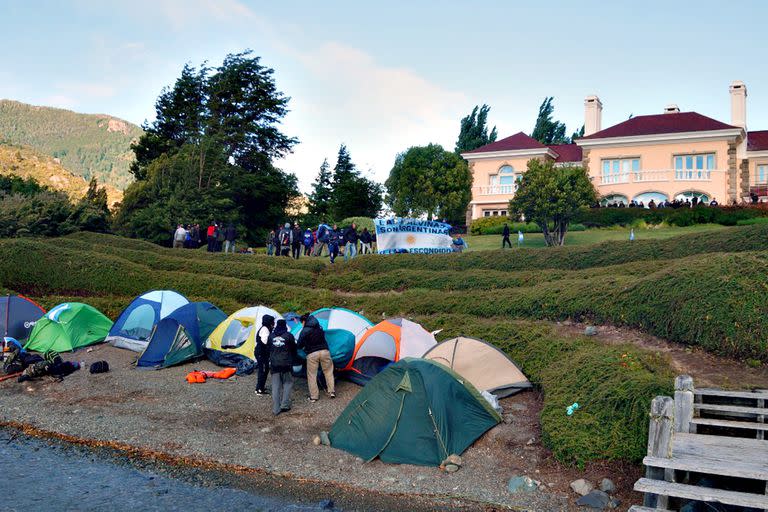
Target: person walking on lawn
282, 356
350, 250
505, 237
262, 353
365, 242
296, 236
312, 341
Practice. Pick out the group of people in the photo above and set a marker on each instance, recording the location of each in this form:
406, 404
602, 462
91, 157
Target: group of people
293, 241
276, 353
677, 203
218, 237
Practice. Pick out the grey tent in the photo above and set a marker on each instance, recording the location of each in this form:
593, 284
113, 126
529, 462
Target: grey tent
482, 364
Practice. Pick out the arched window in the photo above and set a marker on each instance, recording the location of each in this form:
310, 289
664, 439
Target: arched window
506, 175
690, 194
646, 197
614, 198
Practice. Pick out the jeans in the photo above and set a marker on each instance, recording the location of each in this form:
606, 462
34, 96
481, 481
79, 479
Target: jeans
282, 385
350, 251
365, 248
229, 245
321, 358
270, 249
333, 250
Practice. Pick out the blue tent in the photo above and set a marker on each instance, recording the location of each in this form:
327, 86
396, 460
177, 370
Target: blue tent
180, 336
18, 315
134, 325
343, 328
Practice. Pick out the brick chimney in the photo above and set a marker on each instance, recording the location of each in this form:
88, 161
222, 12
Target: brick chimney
593, 115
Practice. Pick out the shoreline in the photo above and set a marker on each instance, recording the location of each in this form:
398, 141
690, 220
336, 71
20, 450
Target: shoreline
255, 480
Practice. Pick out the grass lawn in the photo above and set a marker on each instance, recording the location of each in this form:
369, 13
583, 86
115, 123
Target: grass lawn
591, 236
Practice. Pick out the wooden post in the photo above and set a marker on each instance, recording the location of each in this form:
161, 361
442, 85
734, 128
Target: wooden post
683, 404
761, 419
660, 432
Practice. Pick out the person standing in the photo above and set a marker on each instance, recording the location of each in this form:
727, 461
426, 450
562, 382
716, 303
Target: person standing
210, 236
333, 243
196, 236
312, 341
286, 237
262, 352
219, 237
309, 241
520, 238
179, 237
505, 236
321, 238
296, 237
276, 240
270, 242
230, 235
282, 356
350, 236
365, 242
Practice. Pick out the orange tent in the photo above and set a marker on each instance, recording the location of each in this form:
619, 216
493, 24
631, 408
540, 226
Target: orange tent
385, 343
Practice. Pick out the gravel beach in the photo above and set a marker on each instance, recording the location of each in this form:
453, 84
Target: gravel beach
225, 426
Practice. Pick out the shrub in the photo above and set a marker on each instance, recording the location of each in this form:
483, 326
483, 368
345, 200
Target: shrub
491, 226
725, 215
360, 222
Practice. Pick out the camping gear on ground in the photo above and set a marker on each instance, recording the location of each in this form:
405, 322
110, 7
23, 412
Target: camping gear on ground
237, 334
17, 359
67, 327
199, 377
339, 318
134, 325
385, 343
180, 336
482, 364
52, 364
417, 411
18, 315
99, 367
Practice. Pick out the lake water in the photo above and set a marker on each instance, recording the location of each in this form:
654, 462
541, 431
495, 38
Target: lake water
35, 475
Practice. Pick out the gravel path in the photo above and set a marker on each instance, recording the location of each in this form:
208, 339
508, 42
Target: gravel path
224, 422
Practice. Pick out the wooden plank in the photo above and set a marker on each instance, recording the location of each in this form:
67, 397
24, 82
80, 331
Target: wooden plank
746, 425
731, 408
660, 431
731, 394
708, 466
693, 492
683, 403
638, 508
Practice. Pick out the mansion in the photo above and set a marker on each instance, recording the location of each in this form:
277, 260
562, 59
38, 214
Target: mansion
661, 157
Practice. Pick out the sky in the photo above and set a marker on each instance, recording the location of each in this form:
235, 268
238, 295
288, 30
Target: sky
381, 77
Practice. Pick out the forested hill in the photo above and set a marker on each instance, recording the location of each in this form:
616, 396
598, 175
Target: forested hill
86, 144
25, 162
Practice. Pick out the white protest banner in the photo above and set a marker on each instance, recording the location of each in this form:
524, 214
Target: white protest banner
412, 236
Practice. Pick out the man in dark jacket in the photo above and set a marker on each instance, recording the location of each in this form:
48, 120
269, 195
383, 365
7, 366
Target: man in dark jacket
312, 341
333, 243
230, 235
505, 237
350, 236
261, 352
282, 356
297, 235
365, 242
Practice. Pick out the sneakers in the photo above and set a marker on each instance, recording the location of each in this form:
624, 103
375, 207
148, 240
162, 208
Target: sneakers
260, 393
285, 409
311, 400
332, 394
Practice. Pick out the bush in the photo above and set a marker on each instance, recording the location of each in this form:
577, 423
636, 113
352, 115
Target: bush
360, 222
725, 215
491, 226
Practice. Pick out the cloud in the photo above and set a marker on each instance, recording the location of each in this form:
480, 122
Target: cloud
181, 14
377, 110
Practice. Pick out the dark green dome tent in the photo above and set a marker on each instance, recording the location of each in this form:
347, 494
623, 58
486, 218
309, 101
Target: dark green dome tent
416, 411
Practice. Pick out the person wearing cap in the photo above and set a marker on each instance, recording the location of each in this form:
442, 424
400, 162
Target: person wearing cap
286, 239
261, 352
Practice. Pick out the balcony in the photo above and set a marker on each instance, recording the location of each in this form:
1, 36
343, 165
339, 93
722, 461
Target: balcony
660, 175
493, 190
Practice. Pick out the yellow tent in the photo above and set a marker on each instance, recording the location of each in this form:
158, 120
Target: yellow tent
237, 334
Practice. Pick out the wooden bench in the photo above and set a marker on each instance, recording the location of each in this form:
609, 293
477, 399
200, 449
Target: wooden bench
677, 453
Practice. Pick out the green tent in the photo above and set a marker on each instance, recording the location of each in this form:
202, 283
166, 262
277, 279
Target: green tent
417, 411
67, 327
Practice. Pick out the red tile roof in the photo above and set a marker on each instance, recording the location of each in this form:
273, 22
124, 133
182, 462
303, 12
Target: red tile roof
566, 152
661, 123
757, 141
514, 142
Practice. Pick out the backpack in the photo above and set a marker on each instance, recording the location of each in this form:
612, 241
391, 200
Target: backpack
308, 238
285, 239
280, 358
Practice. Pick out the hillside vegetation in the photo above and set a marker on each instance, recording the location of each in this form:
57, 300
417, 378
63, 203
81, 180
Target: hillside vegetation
25, 162
708, 289
88, 145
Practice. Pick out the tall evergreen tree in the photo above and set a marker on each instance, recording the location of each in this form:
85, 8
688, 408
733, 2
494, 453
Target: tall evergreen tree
353, 195
322, 193
547, 130
474, 130
577, 134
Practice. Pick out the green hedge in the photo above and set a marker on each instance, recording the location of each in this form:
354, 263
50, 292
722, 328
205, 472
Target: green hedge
495, 226
360, 223
727, 216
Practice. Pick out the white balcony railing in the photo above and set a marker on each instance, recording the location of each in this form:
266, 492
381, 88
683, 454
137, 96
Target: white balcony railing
493, 190
656, 175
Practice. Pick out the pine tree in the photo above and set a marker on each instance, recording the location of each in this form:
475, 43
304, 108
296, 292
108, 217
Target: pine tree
474, 130
546, 130
322, 190
353, 195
